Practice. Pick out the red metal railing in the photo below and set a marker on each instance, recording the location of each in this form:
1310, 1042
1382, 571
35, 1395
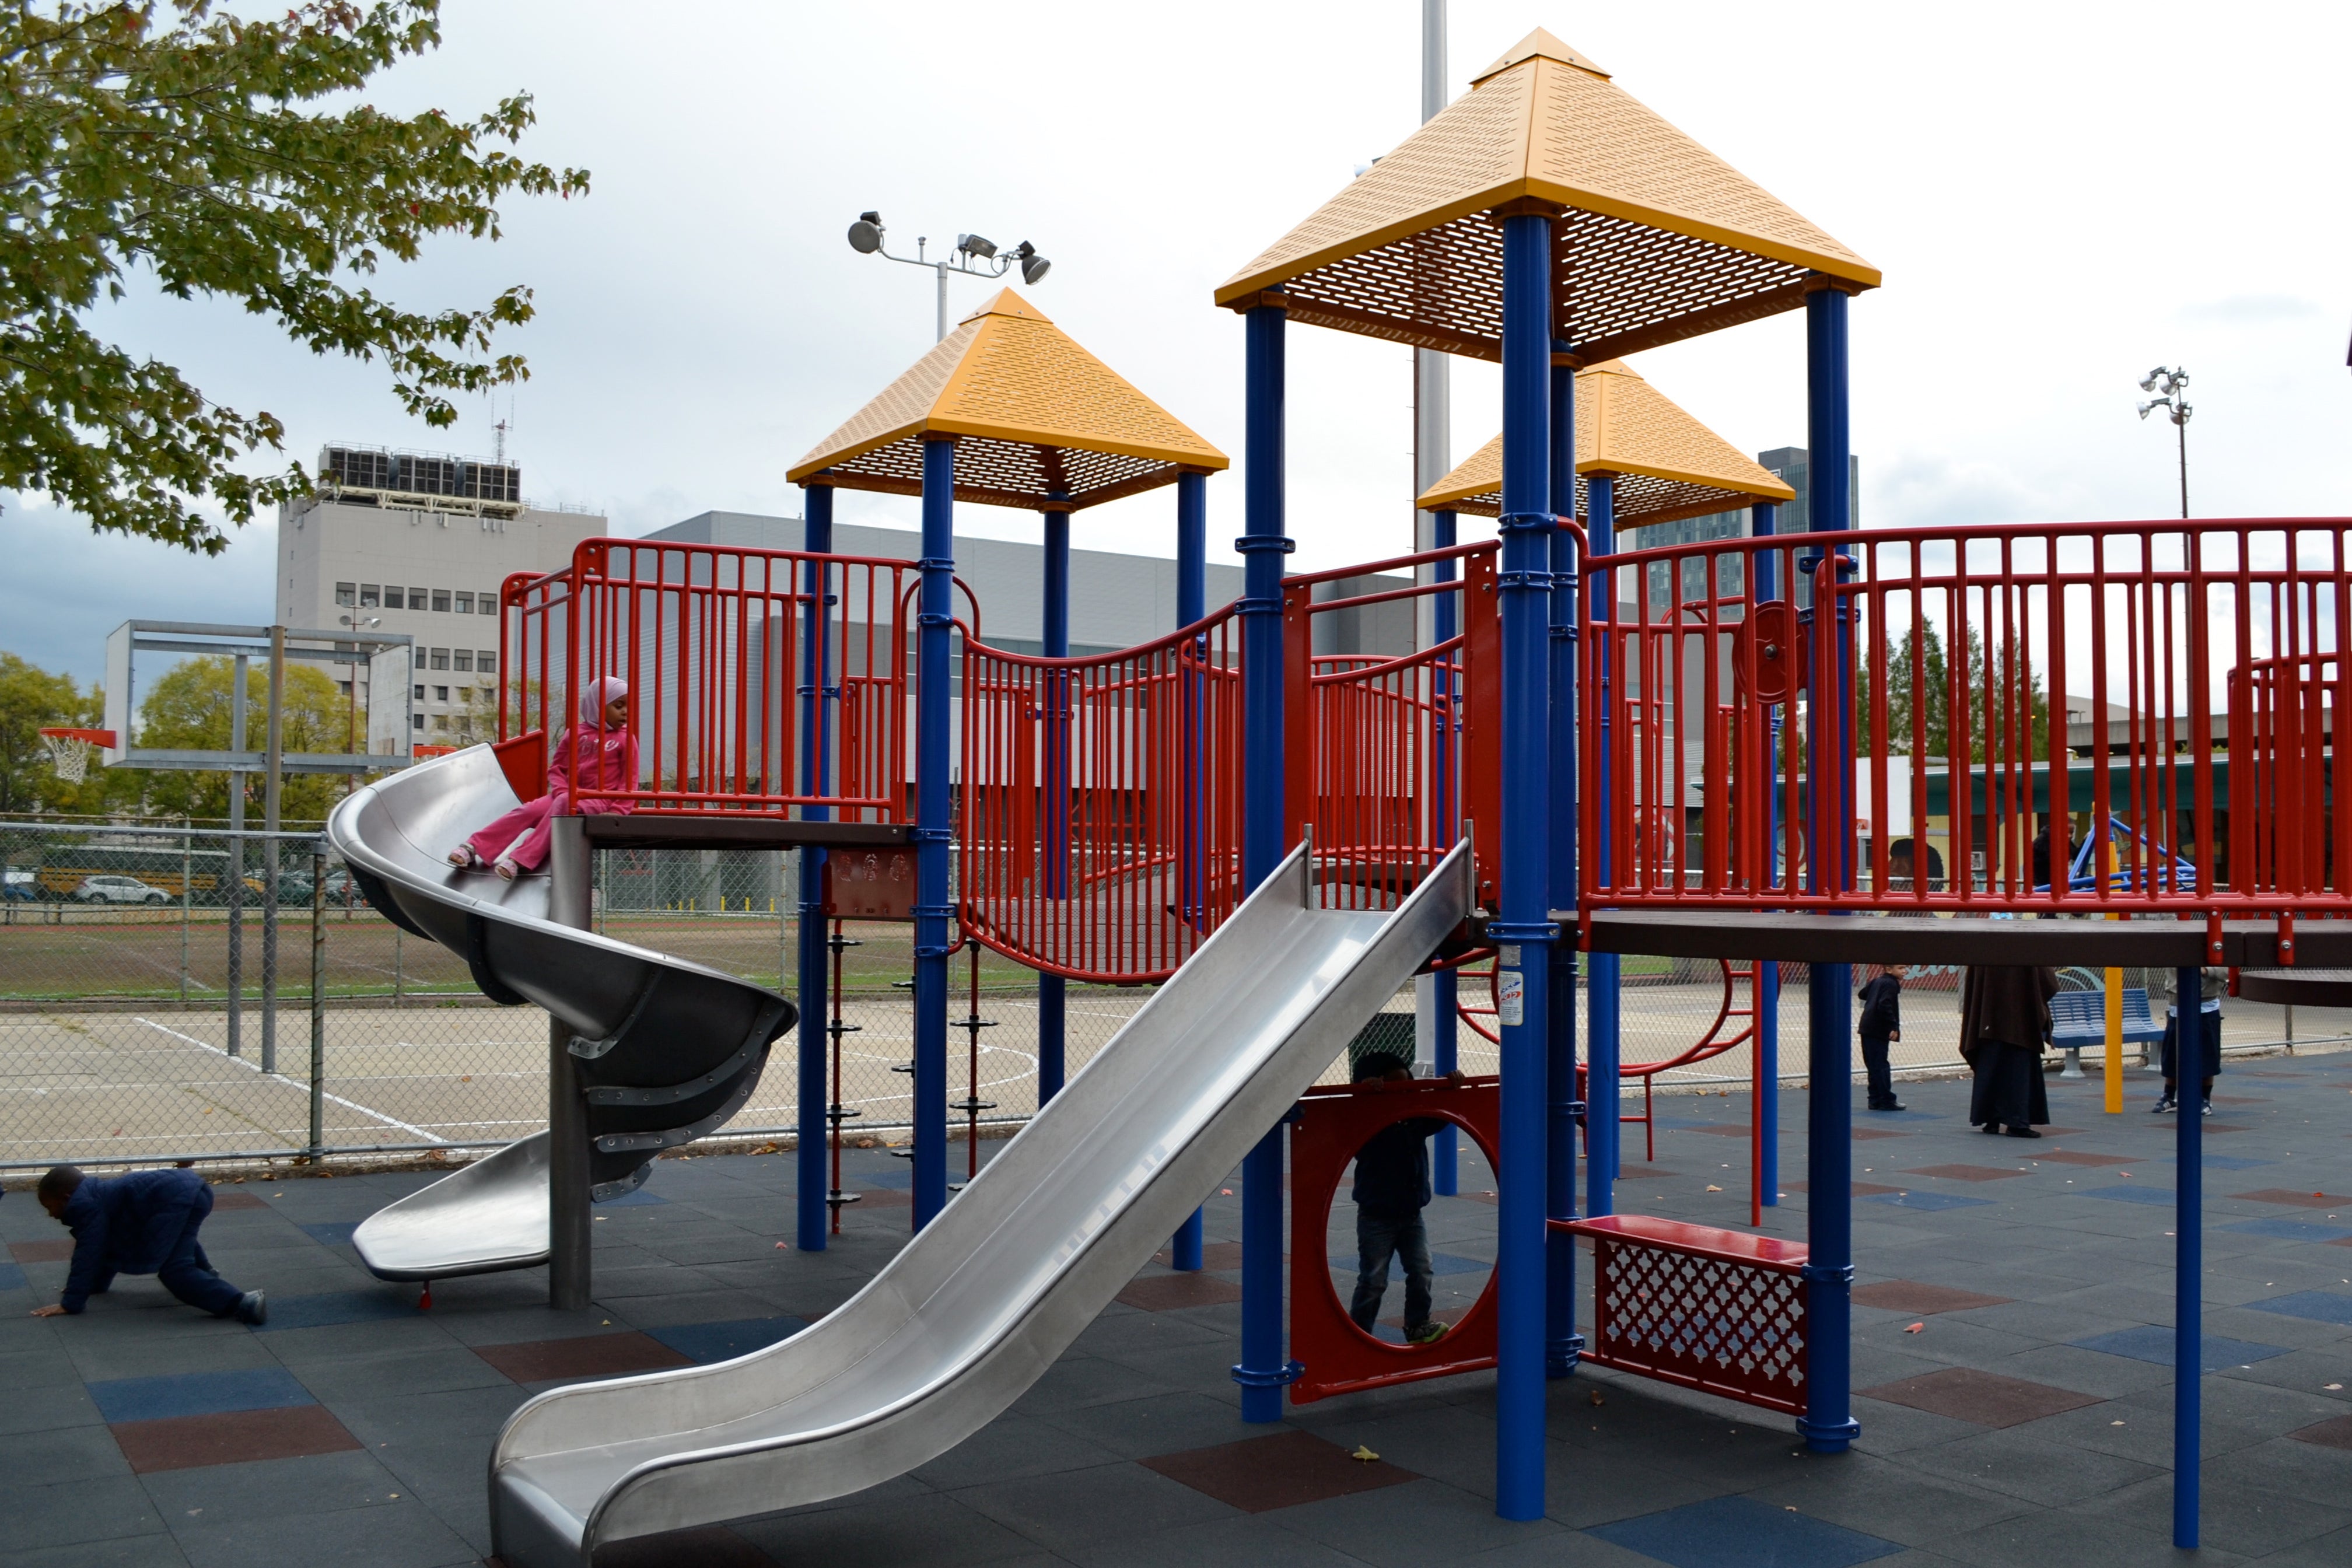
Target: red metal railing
1385, 756
1963, 649
1100, 822
713, 643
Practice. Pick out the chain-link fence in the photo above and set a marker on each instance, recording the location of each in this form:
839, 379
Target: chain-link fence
160, 999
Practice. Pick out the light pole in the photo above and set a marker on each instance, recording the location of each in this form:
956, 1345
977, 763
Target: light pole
973, 255
2167, 384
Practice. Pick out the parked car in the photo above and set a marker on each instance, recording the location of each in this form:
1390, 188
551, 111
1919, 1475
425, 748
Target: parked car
293, 887
111, 889
21, 883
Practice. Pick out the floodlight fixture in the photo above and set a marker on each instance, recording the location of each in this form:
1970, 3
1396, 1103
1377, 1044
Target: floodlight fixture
974, 256
2167, 383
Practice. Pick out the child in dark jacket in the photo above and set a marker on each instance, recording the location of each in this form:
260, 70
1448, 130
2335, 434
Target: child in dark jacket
144, 1223
1881, 1021
1392, 1189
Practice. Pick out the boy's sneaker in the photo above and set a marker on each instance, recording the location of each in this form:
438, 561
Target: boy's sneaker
252, 1308
1889, 1105
2164, 1103
2208, 1110
1427, 1334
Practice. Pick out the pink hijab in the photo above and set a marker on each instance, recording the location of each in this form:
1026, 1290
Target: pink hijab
601, 693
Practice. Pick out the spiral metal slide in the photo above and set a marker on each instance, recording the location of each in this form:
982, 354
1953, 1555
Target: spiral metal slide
665, 1050
979, 1305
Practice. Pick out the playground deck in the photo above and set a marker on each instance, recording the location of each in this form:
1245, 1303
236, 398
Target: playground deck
2022, 1423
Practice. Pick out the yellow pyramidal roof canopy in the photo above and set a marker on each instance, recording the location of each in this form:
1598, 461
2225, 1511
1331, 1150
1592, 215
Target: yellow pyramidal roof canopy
1668, 464
1661, 241
1040, 422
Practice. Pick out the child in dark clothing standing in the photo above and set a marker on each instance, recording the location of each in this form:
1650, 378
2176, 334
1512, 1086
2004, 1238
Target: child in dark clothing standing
144, 1223
1392, 1189
1880, 1022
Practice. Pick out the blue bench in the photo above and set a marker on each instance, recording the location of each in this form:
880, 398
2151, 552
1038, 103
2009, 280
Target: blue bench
2079, 1018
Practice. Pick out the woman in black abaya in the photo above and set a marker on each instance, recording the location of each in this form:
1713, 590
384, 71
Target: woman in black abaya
2004, 1019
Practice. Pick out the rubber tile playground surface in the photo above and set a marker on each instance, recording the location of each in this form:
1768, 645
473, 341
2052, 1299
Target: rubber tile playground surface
2011, 1369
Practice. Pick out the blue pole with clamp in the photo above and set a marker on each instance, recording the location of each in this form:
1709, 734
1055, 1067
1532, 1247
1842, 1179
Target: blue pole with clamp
1601, 1107
1523, 933
1052, 991
1764, 989
814, 1213
1265, 1368
1191, 604
1562, 1343
1828, 1424
1445, 1040
931, 832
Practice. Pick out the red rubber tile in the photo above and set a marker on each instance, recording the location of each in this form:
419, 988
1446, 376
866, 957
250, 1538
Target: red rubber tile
190, 1442
1985, 1398
1215, 1255
2335, 1432
1167, 1292
1967, 1172
2076, 1157
2300, 1200
40, 1251
1865, 1133
1912, 1296
589, 1356
236, 1198
1257, 1475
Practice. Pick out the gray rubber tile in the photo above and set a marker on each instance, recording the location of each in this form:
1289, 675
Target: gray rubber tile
1066, 1513
71, 1512
398, 1535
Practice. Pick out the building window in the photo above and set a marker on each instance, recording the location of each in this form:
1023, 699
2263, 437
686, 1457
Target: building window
344, 687
441, 720
441, 600
417, 720
465, 604
488, 602
416, 598
369, 594
486, 661
440, 658
347, 594
464, 658
440, 694
420, 694
466, 695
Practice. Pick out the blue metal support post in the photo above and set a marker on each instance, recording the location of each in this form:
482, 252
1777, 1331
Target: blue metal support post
1055, 632
1602, 1104
1764, 989
1562, 1343
1828, 1424
814, 1213
1445, 1040
1191, 604
1524, 858
2188, 1261
1265, 1367
932, 909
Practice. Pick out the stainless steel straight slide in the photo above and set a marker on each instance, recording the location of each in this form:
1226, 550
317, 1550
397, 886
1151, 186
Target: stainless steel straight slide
667, 1050
981, 1303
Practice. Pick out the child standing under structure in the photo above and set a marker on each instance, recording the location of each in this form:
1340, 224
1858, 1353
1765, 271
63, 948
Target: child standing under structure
599, 755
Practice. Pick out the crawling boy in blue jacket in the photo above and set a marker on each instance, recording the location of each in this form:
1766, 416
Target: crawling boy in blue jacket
144, 1223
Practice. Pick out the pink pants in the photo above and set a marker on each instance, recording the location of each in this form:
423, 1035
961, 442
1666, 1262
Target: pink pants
521, 834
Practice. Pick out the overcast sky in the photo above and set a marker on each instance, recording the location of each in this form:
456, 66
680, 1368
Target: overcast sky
2061, 195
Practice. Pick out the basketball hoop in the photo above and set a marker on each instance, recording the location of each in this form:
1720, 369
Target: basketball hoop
70, 750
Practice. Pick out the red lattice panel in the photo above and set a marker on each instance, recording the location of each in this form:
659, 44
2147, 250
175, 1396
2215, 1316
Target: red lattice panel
1718, 1310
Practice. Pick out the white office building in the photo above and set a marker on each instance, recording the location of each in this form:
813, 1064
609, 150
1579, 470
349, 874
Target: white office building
414, 542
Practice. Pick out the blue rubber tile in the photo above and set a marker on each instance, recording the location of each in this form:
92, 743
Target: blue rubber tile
635, 1200
2288, 1229
12, 1277
198, 1394
2319, 1306
2152, 1196
1930, 1201
336, 1307
2153, 1345
725, 1341
1740, 1533
338, 1234
2219, 1161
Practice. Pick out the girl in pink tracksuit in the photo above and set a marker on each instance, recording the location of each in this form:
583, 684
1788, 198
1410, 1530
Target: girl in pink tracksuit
599, 755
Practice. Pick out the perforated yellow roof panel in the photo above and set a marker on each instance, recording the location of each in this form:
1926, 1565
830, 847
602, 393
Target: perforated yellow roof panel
1668, 464
1659, 239
1040, 422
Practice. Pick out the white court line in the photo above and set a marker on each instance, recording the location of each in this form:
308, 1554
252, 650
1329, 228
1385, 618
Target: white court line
338, 1100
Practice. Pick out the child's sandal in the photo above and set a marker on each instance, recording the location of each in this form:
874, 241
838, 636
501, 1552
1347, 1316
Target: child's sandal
506, 869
